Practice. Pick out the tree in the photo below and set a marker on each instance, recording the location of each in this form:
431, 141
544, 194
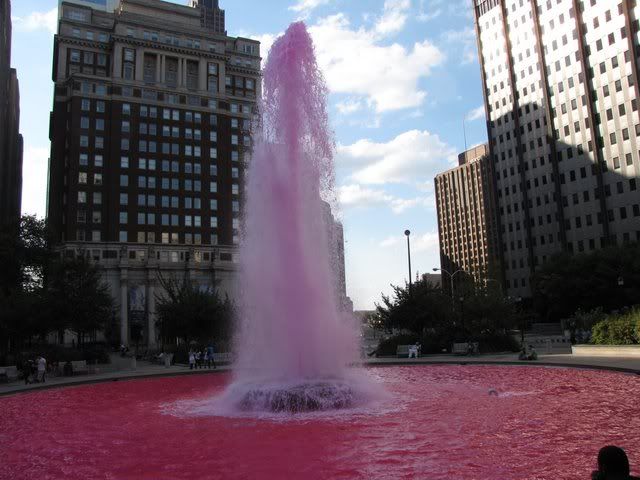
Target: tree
426, 309
79, 298
189, 313
587, 281
488, 313
24, 255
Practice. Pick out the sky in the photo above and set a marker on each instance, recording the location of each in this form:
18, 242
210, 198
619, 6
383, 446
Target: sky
403, 77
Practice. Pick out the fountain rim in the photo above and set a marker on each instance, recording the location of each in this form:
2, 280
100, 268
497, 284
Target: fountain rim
392, 363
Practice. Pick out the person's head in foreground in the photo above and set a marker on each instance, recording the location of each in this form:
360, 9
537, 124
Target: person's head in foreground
613, 464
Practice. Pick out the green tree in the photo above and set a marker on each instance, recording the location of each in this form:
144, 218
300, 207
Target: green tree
79, 298
425, 309
24, 255
587, 281
189, 313
488, 313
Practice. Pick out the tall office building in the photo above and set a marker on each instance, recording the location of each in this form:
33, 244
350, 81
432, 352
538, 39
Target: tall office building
150, 128
211, 15
467, 221
561, 94
10, 138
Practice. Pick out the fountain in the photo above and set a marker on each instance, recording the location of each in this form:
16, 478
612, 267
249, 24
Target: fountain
293, 343
293, 408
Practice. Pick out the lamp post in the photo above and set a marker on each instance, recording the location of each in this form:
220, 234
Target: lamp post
407, 233
451, 275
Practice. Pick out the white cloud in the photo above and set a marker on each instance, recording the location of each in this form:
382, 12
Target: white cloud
434, 11
426, 242
304, 7
349, 106
411, 157
393, 17
357, 196
34, 180
356, 62
464, 43
476, 114
38, 21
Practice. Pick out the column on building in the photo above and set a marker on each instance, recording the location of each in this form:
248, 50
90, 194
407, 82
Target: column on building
124, 314
151, 310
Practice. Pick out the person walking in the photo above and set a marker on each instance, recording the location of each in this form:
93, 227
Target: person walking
211, 353
42, 368
192, 359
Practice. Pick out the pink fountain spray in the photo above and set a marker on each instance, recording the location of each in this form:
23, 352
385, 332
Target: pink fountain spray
294, 346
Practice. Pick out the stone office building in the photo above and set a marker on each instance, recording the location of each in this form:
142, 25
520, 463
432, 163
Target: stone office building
150, 132
561, 89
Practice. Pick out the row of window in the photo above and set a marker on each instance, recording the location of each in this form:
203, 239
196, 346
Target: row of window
150, 237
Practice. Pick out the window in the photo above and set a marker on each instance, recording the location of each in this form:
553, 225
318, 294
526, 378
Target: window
97, 179
123, 237
83, 159
123, 218
98, 160
124, 199
86, 105
124, 162
96, 217
97, 198
82, 197
126, 109
82, 178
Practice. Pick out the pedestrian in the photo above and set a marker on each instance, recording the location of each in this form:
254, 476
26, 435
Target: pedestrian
42, 368
192, 359
613, 464
26, 372
211, 353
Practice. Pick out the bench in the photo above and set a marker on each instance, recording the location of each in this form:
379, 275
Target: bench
79, 366
8, 374
402, 351
460, 348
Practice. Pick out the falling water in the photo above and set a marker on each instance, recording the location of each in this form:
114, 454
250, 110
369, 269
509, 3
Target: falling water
293, 343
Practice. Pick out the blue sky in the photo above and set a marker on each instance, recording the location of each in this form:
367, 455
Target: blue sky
403, 74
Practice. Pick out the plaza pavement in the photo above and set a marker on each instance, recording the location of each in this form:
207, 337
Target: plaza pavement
149, 370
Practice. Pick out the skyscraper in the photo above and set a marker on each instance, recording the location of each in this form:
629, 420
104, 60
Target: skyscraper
10, 138
150, 128
467, 221
211, 15
560, 82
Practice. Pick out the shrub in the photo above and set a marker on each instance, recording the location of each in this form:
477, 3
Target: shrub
618, 330
497, 342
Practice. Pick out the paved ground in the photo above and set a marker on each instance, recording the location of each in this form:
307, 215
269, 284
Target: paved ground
145, 369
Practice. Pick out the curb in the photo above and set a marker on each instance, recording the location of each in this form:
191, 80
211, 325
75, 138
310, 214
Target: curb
392, 363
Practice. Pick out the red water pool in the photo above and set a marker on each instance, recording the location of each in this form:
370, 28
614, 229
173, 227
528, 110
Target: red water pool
440, 422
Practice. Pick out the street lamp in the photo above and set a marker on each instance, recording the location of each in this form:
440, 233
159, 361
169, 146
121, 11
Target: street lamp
407, 233
451, 275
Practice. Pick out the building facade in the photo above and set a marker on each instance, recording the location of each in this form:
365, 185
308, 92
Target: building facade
467, 221
560, 85
11, 144
150, 132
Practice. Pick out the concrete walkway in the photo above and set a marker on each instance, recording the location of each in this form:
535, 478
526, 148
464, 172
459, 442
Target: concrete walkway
147, 370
